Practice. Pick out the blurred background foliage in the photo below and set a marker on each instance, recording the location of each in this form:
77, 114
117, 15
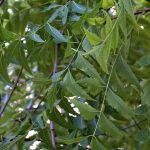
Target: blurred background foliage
83, 66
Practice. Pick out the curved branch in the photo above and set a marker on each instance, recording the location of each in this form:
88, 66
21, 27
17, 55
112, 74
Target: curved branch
11, 94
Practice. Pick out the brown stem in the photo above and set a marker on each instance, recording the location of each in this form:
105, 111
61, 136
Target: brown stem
11, 94
138, 12
142, 11
1, 2
53, 140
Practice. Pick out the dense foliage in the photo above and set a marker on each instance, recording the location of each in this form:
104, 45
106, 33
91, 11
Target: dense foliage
77, 73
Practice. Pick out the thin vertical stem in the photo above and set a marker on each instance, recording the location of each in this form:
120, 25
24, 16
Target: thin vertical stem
52, 130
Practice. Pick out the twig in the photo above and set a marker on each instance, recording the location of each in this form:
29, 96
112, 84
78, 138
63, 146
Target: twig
142, 11
11, 94
1, 2
138, 12
136, 123
53, 140
133, 125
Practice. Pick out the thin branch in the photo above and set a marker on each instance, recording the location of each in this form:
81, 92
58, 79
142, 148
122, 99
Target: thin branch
53, 140
138, 12
142, 11
1, 2
133, 125
11, 94
137, 124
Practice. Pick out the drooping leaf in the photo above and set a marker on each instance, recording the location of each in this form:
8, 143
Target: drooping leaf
79, 8
96, 145
35, 37
87, 111
92, 37
20, 56
65, 15
73, 87
143, 135
7, 35
118, 104
45, 138
141, 110
3, 69
51, 96
59, 38
91, 85
59, 119
70, 141
109, 127
57, 76
88, 68
108, 25
124, 70
145, 96
129, 9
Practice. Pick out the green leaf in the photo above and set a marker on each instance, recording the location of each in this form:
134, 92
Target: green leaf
102, 53
144, 61
143, 135
88, 68
66, 106
35, 37
109, 127
57, 76
125, 71
7, 35
87, 111
50, 7
96, 21
118, 104
76, 27
129, 9
64, 15
91, 85
45, 138
74, 88
92, 37
141, 110
107, 4
79, 8
115, 39
145, 96
59, 38
3, 69
52, 96
70, 141
59, 119
108, 25
96, 145
20, 56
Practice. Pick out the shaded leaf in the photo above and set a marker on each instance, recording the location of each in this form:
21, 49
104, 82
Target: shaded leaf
87, 111
117, 103
88, 68
73, 87
96, 145
143, 135
79, 8
70, 140
92, 37
109, 127
59, 38
35, 37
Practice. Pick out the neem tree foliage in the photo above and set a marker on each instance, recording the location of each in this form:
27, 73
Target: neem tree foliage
75, 72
